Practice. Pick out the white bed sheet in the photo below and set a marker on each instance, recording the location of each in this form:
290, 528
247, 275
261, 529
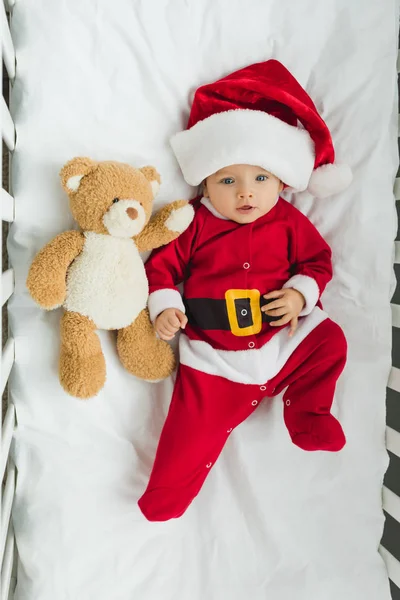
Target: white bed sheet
112, 80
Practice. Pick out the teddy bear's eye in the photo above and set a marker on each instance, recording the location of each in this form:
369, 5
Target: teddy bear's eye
115, 200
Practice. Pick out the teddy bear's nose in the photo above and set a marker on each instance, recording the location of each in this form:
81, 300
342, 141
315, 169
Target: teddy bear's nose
132, 213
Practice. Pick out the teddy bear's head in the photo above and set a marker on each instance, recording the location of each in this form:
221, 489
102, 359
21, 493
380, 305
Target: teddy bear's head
110, 197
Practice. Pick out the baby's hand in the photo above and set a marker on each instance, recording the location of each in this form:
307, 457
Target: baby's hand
288, 304
169, 322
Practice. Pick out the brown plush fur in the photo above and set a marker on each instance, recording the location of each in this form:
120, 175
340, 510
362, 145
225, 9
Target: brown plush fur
82, 365
155, 234
46, 280
101, 183
131, 353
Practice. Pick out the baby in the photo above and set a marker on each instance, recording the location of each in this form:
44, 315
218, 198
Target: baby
242, 193
253, 269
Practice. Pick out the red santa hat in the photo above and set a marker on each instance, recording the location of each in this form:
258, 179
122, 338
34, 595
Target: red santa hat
260, 115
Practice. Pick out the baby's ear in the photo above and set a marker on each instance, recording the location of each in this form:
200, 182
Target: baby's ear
153, 176
73, 171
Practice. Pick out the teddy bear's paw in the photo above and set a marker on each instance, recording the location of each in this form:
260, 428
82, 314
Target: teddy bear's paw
47, 295
153, 360
82, 377
180, 218
164, 363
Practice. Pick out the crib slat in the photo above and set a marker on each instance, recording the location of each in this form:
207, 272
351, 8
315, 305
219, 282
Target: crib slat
394, 379
391, 503
397, 188
393, 441
395, 315
392, 565
7, 567
7, 126
7, 206
398, 61
397, 253
7, 285
6, 438
7, 361
7, 502
7, 44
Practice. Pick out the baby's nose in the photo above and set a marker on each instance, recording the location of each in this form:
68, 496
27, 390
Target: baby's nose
245, 194
132, 213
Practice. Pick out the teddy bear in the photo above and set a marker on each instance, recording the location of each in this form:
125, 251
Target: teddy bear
98, 275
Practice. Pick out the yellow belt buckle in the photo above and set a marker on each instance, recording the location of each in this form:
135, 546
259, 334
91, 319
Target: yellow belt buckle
254, 297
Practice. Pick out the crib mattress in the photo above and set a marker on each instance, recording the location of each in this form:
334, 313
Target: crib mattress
112, 80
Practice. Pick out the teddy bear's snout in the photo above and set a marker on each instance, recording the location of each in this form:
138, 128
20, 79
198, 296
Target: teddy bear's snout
132, 213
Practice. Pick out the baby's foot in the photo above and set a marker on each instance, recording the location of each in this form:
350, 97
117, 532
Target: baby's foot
312, 431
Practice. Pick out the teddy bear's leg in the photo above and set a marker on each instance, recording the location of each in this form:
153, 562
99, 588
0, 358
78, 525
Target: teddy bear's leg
142, 353
82, 366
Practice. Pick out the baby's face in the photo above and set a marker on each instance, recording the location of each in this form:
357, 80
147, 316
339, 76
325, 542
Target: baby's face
242, 193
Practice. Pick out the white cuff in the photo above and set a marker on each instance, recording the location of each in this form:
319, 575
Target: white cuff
162, 299
306, 286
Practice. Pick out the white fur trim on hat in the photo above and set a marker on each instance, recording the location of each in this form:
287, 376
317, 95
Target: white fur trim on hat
245, 136
330, 179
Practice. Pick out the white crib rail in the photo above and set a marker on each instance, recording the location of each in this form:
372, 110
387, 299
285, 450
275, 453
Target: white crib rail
7, 468
391, 502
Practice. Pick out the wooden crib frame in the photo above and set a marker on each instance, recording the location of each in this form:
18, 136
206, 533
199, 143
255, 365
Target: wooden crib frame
390, 547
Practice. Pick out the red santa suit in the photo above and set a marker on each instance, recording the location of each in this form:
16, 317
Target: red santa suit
230, 354
231, 357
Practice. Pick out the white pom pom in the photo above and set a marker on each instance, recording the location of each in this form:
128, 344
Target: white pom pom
329, 179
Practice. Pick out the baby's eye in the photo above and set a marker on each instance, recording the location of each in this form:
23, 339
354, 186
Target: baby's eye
228, 180
261, 178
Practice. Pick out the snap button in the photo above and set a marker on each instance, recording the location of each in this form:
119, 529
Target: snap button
229, 430
255, 402
246, 265
287, 402
243, 312
208, 465
251, 344
263, 388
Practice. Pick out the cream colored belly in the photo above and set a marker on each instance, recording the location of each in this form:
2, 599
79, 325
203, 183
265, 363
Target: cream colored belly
107, 282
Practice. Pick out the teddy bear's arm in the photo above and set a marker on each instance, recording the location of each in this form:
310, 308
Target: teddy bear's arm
165, 225
47, 276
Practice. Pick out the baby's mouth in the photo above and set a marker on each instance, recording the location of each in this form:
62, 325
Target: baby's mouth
247, 208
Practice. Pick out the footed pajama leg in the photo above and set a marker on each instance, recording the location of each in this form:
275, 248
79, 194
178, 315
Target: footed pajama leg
203, 412
310, 375
205, 409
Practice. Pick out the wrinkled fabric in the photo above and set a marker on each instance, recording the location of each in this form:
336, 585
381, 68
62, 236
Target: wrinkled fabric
112, 80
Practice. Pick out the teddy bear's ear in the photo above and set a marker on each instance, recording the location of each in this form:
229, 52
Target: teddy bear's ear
73, 171
153, 176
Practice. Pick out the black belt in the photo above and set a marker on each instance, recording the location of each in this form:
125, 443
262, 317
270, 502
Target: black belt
240, 312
